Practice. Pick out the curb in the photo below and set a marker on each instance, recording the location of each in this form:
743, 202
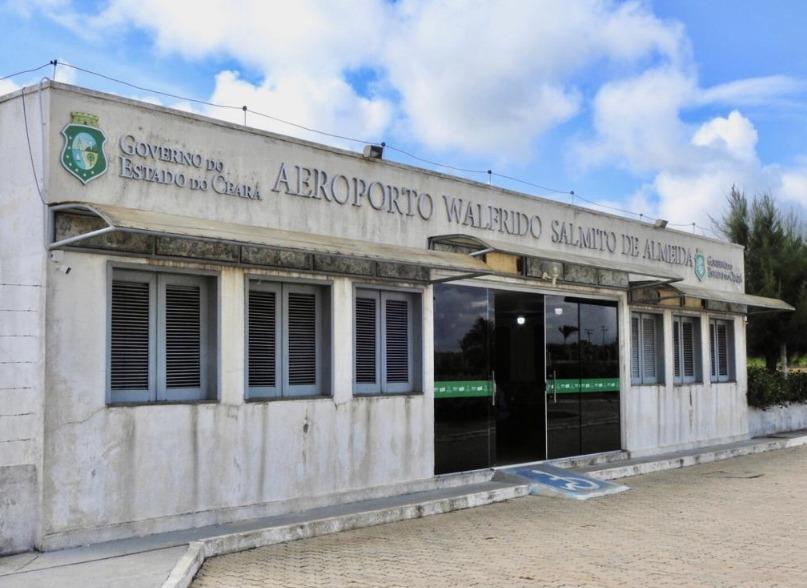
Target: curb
625, 471
188, 565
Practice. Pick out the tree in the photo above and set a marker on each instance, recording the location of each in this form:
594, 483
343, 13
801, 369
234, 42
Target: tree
775, 266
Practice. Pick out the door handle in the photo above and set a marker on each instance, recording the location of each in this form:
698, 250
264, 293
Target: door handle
493, 388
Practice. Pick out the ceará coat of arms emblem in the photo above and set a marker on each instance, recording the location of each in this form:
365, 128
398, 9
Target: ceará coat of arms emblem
83, 154
700, 265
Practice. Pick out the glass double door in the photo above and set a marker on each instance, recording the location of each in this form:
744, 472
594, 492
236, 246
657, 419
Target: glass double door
501, 396
582, 377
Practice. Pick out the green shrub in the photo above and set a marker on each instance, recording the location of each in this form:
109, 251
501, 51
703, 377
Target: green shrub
767, 389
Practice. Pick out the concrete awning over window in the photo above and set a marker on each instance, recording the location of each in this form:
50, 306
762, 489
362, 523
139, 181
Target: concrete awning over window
634, 271
733, 297
143, 232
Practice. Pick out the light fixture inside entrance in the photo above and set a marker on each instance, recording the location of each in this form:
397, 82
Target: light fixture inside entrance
520, 320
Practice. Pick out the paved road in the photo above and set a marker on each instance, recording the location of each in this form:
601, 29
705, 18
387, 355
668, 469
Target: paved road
731, 523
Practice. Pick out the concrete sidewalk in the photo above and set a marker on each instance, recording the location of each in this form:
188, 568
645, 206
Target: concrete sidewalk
731, 523
172, 559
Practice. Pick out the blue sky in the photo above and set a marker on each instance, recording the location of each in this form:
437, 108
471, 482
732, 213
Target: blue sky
653, 107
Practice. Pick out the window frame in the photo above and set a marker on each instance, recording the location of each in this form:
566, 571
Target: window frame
133, 395
381, 387
642, 379
283, 391
302, 390
714, 361
366, 388
158, 278
398, 387
679, 354
265, 392
165, 394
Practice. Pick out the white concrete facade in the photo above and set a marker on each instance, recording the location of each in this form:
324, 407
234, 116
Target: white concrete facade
75, 469
118, 470
673, 417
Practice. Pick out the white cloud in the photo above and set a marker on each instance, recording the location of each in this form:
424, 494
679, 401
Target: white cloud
733, 135
7, 87
638, 126
65, 74
752, 91
695, 196
276, 36
794, 186
323, 103
486, 78
636, 122
183, 105
303, 50
491, 77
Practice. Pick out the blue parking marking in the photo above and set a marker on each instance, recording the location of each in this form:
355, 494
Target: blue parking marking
549, 479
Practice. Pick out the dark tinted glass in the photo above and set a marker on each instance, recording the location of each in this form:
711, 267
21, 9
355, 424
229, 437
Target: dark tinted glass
462, 378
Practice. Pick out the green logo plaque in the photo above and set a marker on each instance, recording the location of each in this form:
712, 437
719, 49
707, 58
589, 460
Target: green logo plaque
700, 265
83, 153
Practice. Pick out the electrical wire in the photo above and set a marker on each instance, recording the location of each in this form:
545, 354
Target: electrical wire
149, 90
429, 161
25, 71
540, 187
309, 129
490, 173
28, 140
216, 105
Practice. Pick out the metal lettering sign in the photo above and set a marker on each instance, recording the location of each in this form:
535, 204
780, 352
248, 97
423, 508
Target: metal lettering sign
176, 165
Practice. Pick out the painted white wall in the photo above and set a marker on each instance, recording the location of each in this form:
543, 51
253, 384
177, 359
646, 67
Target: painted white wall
113, 471
777, 419
670, 417
22, 302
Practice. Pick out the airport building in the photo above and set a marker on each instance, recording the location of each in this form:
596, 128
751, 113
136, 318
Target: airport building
202, 322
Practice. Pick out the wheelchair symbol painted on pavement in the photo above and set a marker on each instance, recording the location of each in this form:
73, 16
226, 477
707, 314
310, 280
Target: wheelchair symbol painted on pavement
566, 482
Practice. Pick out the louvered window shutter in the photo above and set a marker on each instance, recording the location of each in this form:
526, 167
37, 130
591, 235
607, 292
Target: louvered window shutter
263, 340
182, 332
159, 337
302, 338
722, 349
676, 348
397, 341
183, 336
649, 360
635, 364
131, 337
366, 352
687, 334
719, 332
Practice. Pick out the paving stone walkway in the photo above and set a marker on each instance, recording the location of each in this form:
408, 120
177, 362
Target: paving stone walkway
741, 522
